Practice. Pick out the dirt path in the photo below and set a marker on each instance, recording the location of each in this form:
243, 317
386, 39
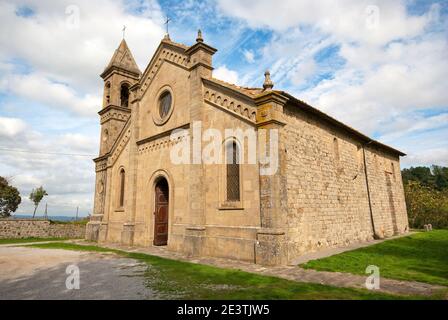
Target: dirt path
31, 273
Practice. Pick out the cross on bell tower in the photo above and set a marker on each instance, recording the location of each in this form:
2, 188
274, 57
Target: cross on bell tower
167, 22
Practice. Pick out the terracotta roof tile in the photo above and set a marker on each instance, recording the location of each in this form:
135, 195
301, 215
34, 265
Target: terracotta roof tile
252, 92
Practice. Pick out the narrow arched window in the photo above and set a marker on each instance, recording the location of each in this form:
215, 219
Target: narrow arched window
392, 169
360, 157
122, 181
232, 172
124, 95
107, 93
336, 148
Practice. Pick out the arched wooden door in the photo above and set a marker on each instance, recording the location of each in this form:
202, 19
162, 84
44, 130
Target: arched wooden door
161, 213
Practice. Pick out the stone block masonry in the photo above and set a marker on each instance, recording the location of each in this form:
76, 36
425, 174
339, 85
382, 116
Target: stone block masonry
33, 228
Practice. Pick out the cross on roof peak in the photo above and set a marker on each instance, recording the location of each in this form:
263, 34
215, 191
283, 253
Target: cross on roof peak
167, 21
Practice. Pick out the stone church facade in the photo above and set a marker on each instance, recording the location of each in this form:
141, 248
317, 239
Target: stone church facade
332, 186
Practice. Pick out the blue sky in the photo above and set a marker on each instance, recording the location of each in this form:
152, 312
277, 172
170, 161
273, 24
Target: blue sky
379, 66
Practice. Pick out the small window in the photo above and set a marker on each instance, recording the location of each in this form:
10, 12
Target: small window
105, 135
336, 148
360, 156
165, 101
107, 93
233, 172
392, 169
124, 95
122, 181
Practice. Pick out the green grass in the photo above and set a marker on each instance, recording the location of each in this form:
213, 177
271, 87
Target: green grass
25, 240
184, 280
419, 257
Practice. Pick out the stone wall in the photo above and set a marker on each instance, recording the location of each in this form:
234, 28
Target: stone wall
72, 231
33, 228
327, 198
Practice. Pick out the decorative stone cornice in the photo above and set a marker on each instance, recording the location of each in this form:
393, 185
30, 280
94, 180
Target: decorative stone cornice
160, 141
270, 96
121, 71
118, 148
100, 163
114, 112
161, 135
230, 104
200, 46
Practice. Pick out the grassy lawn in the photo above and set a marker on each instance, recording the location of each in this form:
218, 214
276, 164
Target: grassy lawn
24, 240
183, 280
420, 257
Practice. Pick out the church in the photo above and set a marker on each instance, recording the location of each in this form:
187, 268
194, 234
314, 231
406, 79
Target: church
209, 168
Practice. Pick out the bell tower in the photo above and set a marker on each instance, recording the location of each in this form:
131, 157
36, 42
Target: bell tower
119, 75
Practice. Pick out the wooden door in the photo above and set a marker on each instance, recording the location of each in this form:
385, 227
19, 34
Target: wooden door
161, 214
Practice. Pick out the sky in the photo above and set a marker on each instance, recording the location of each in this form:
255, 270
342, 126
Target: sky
378, 66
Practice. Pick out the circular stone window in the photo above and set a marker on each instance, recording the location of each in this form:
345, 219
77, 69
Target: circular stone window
163, 106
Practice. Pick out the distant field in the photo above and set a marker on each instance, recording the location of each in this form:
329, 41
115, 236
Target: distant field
53, 218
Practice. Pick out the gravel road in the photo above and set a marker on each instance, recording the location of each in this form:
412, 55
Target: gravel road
32, 273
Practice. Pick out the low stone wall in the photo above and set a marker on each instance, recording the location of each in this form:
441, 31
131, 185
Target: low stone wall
73, 231
33, 228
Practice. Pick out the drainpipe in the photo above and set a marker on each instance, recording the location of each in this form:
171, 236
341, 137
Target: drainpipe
375, 235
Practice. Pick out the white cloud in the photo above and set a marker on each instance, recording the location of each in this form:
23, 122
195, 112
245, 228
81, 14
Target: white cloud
225, 74
249, 56
390, 70
302, 71
367, 95
410, 124
37, 88
49, 43
431, 156
10, 127
349, 20
69, 180
79, 143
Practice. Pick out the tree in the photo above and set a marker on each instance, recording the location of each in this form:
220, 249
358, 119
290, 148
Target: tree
36, 196
9, 198
426, 205
435, 177
441, 177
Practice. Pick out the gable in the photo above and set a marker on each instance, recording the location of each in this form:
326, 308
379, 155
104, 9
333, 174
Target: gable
166, 52
168, 74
